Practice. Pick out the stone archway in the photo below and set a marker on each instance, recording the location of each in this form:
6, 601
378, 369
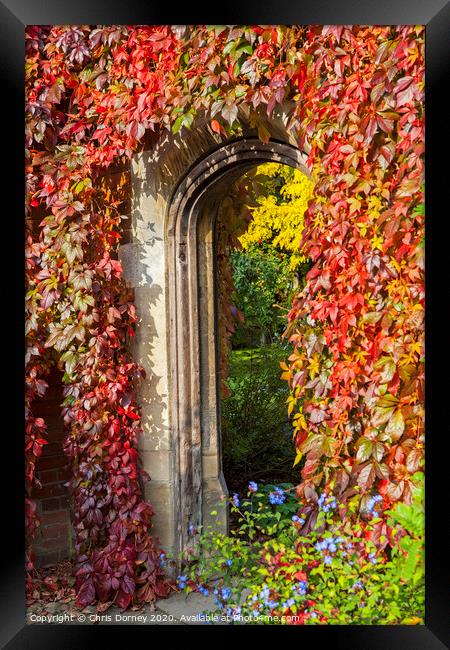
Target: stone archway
170, 263
192, 317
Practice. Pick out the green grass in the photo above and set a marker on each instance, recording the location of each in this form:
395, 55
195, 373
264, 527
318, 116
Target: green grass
250, 360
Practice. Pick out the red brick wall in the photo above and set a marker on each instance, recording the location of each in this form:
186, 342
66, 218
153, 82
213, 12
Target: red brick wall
54, 538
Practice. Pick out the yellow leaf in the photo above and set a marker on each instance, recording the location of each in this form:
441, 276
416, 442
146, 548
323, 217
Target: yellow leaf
298, 458
377, 243
314, 366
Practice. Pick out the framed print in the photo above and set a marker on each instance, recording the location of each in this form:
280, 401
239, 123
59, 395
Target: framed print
225, 324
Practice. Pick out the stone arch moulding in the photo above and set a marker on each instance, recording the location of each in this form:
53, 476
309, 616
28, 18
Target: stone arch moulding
193, 384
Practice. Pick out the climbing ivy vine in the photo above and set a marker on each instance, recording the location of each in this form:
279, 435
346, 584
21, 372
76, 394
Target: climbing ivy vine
356, 374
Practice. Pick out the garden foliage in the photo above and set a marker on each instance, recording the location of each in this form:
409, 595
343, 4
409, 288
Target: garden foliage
262, 292
356, 106
282, 195
266, 573
256, 433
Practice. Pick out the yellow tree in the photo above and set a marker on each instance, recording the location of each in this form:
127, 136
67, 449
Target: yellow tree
281, 198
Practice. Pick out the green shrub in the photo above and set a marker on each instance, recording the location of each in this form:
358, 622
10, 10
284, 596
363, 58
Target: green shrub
267, 573
256, 432
261, 279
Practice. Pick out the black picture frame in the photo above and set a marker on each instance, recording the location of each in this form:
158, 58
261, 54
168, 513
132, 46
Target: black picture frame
14, 16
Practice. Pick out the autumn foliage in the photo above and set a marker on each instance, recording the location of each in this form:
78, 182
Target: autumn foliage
279, 220
356, 373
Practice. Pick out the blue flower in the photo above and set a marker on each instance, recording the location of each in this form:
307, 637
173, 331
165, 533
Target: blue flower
277, 497
182, 581
326, 502
226, 593
270, 603
229, 562
371, 503
288, 603
313, 615
328, 543
301, 587
236, 501
191, 529
328, 559
202, 590
252, 486
298, 520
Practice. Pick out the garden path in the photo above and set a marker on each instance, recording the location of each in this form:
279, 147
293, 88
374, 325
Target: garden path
178, 609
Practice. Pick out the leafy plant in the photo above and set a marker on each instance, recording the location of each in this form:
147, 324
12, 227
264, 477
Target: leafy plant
256, 434
263, 287
267, 574
257, 520
408, 562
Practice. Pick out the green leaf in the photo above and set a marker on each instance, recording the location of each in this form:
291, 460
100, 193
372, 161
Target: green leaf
365, 447
177, 124
188, 119
387, 367
247, 48
228, 47
395, 426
